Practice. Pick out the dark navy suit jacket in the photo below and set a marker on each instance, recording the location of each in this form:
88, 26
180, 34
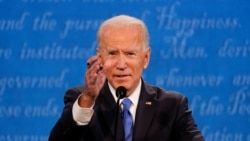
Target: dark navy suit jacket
160, 116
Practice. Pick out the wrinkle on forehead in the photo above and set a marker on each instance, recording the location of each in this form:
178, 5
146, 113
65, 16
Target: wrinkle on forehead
122, 35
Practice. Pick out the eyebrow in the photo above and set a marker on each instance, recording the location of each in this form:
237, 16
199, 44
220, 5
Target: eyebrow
125, 50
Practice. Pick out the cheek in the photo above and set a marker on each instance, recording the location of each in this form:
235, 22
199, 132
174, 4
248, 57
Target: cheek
137, 67
110, 66
107, 60
110, 63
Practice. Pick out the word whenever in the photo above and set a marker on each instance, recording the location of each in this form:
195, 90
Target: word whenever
175, 79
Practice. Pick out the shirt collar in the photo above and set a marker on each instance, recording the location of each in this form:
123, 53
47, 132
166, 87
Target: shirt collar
134, 97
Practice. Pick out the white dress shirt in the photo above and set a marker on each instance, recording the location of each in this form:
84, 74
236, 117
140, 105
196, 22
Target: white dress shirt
82, 116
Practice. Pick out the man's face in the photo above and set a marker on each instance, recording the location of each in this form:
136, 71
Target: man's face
123, 49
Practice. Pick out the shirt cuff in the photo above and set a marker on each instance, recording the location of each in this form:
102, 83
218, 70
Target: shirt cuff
82, 116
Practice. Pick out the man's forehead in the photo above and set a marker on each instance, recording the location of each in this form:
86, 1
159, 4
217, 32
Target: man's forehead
133, 30
113, 48
121, 37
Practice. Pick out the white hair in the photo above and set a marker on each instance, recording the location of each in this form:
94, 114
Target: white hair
124, 21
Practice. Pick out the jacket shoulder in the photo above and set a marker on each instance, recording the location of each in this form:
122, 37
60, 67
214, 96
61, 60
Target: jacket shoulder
72, 93
161, 93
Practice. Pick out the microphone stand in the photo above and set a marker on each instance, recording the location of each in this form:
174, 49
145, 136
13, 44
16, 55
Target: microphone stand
116, 116
120, 93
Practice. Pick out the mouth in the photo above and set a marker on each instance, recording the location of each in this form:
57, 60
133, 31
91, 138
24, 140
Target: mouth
121, 76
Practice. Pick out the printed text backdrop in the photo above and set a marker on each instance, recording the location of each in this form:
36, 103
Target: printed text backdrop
200, 48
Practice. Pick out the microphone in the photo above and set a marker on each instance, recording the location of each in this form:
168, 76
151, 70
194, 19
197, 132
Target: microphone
120, 93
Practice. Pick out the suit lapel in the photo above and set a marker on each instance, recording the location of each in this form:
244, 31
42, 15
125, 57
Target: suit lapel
108, 110
145, 112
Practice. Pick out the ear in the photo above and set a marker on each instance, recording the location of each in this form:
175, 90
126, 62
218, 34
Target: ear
147, 57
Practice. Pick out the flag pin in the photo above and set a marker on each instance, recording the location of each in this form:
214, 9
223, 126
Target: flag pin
148, 103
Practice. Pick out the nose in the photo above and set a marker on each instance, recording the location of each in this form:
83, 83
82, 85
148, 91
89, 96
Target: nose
121, 62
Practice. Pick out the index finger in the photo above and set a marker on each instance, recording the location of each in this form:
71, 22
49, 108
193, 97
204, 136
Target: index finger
91, 61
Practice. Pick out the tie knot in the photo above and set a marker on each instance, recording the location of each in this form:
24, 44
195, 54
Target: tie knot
126, 103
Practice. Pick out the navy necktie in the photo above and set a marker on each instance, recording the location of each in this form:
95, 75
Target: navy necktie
127, 119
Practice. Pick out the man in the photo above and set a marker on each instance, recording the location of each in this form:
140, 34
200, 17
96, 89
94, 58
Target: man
90, 111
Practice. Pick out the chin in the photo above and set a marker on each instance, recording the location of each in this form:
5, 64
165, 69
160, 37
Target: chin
116, 85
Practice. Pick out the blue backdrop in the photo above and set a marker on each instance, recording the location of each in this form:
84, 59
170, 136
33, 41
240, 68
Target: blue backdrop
200, 48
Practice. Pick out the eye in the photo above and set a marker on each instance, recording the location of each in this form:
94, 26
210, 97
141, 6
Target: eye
112, 52
130, 53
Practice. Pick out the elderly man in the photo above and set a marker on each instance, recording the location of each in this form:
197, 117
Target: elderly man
147, 113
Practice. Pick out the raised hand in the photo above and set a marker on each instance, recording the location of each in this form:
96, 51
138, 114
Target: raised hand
95, 77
